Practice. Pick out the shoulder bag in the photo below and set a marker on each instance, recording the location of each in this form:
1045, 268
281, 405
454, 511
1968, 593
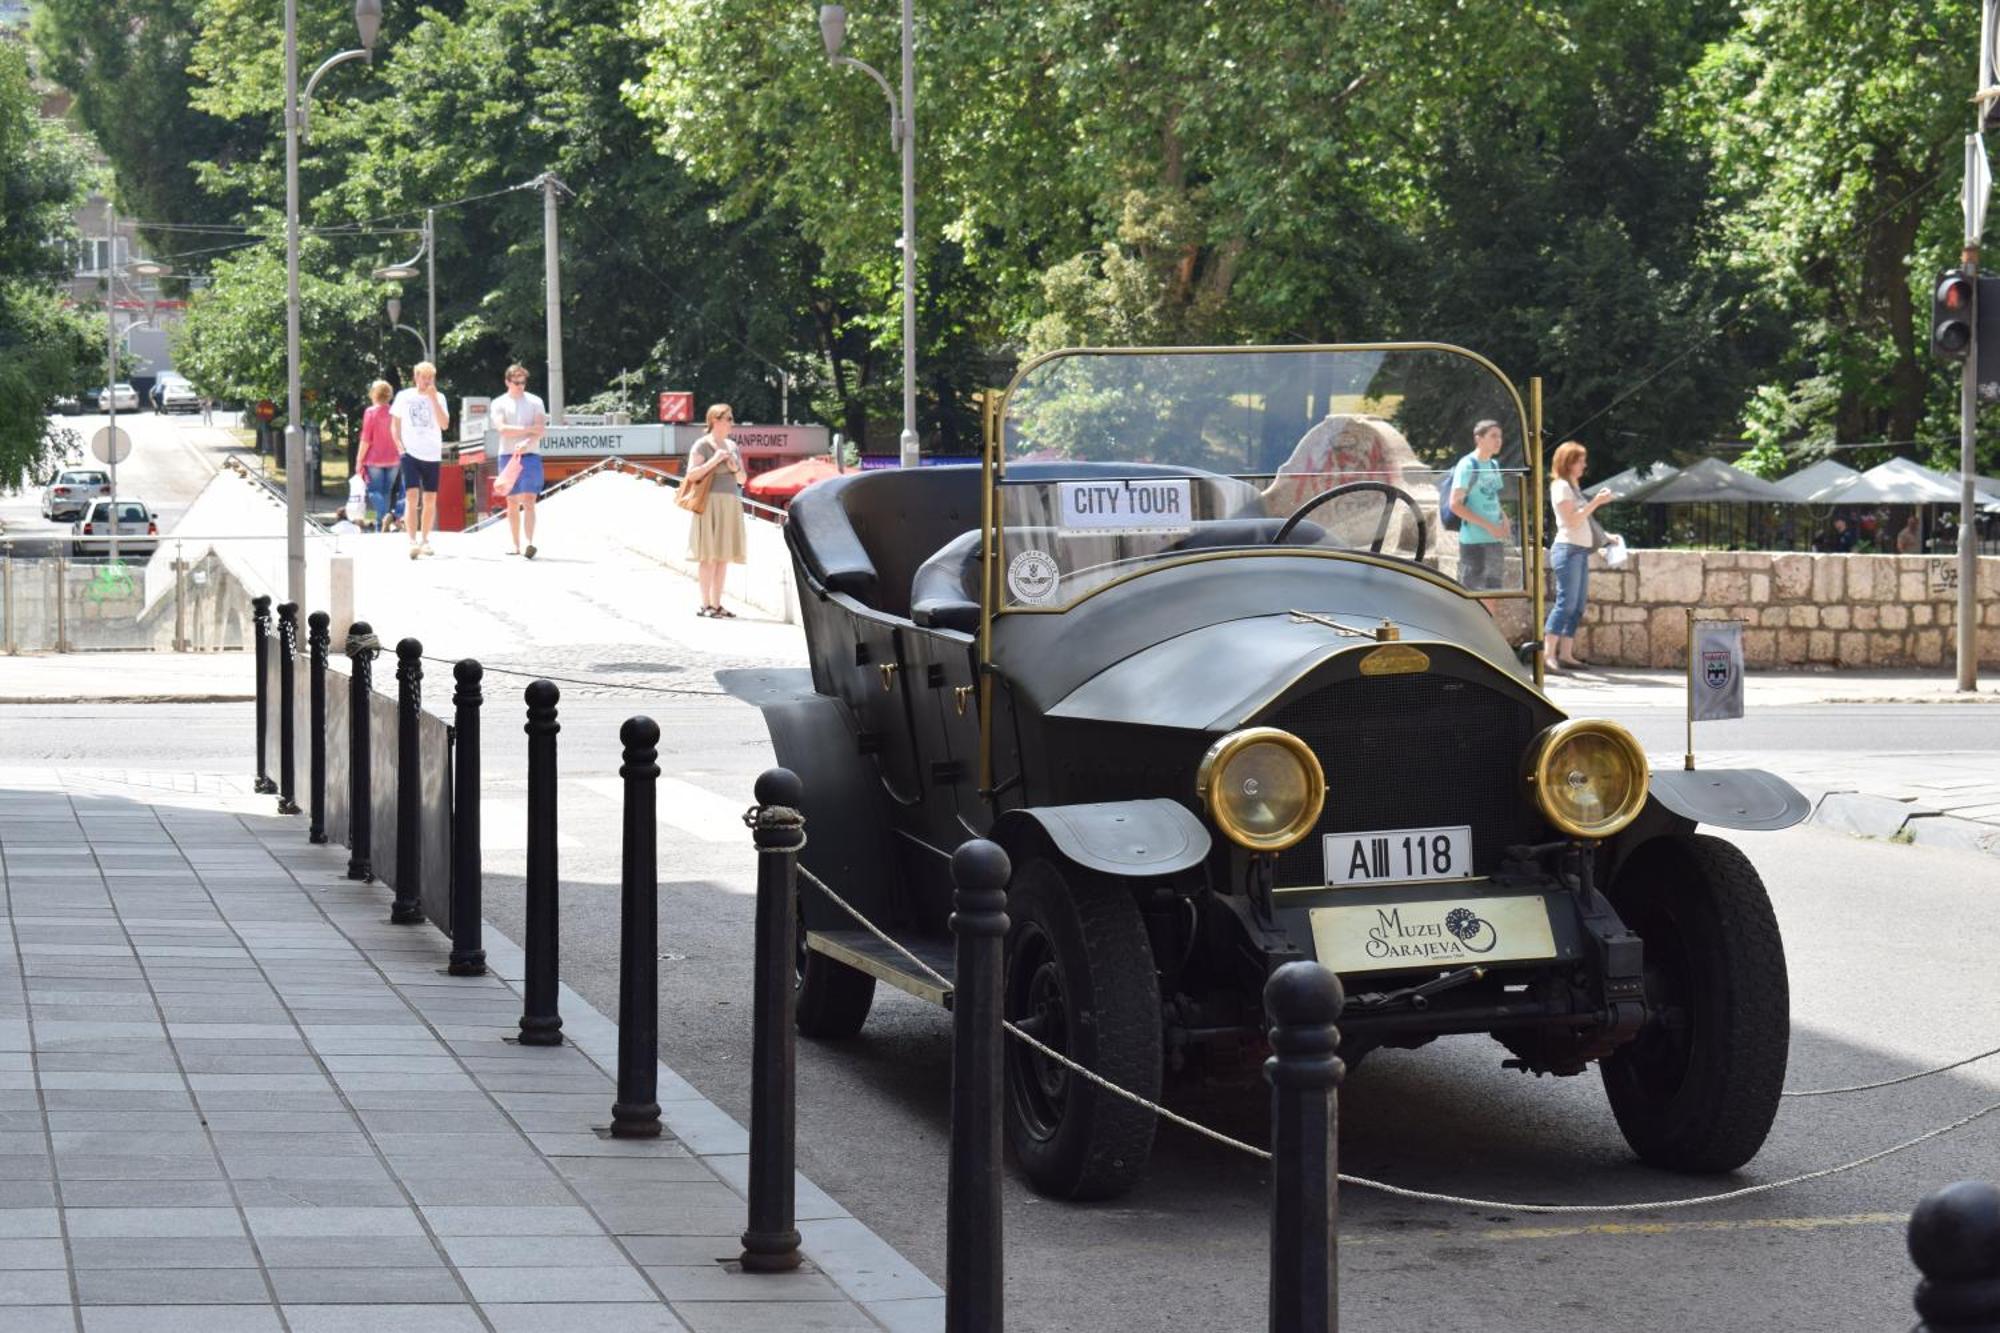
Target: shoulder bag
693, 495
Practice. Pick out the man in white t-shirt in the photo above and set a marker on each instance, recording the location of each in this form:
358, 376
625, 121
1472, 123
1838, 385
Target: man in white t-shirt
519, 421
418, 419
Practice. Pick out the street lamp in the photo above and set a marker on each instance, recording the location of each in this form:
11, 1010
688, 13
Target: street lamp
368, 22
408, 270
903, 134
395, 314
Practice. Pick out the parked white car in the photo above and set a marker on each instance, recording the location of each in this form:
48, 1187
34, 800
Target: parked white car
72, 490
138, 532
128, 398
177, 395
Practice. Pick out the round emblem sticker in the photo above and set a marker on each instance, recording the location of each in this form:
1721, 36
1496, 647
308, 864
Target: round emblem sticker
1032, 577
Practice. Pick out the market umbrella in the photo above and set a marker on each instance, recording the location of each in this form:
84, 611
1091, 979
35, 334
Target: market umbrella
1712, 481
780, 484
1807, 483
1634, 482
1896, 482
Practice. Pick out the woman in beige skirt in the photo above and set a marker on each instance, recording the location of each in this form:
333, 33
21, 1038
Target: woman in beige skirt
715, 538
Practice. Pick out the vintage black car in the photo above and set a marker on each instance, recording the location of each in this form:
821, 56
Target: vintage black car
1189, 644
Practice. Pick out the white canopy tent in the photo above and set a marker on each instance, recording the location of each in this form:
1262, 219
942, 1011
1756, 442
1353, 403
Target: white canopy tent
1805, 484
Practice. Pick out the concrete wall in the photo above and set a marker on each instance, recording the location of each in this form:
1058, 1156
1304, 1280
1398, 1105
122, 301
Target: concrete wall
1799, 610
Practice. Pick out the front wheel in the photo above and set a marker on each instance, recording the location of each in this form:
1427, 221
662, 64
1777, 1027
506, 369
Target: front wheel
1080, 979
1698, 1088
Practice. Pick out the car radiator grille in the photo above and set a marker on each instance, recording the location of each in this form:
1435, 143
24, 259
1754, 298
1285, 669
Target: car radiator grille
1415, 751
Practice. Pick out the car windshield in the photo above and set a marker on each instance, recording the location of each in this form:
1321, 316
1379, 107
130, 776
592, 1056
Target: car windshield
1114, 461
127, 513
83, 479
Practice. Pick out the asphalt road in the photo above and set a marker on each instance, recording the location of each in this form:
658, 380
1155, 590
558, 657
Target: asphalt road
1889, 968
165, 469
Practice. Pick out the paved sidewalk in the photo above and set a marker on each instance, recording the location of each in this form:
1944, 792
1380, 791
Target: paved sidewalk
234, 1099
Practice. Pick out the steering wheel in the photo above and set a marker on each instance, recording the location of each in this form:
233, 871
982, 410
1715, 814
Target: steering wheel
1396, 495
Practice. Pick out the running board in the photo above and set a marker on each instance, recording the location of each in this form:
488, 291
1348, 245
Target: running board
863, 952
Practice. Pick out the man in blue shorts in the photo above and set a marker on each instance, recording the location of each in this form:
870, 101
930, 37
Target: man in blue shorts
418, 419
519, 421
1484, 531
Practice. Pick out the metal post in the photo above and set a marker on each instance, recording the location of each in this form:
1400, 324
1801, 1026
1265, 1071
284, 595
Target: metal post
468, 952
361, 649
260, 617
180, 601
7, 583
771, 1240
636, 1113
974, 1286
1688, 762
111, 368
552, 276
541, 1025
288, 658
431, 280
1302, 1001
295, 461
62, 607
408, 907
1968, 509
909, 444
1955, 1241
317, 638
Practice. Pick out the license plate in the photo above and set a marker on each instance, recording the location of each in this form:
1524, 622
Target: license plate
1455, 932
1397, 855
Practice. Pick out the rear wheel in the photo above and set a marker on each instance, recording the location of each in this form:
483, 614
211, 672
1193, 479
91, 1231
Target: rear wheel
832, 999
1698, 1088
1080, 979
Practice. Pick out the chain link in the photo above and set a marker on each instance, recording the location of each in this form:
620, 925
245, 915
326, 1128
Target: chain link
1428, 1196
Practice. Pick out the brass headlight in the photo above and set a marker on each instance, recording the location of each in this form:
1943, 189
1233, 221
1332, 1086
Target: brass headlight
1263, 786
1589, 777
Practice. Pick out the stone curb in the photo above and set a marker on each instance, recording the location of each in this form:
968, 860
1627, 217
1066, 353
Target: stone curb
1869, 816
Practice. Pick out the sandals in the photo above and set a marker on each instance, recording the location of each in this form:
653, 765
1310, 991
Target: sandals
716, 613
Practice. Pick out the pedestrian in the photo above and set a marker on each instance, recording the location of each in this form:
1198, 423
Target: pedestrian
520, 421
1910, 541
380, 458
1569, 557
207, 410
1476, 484
418, 419
715, 537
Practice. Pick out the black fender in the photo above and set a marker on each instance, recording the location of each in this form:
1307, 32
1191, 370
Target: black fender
846, 813
1134, 839
1739, 798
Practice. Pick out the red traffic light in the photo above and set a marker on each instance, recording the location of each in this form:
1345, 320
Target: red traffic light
1954, 293
1951, 316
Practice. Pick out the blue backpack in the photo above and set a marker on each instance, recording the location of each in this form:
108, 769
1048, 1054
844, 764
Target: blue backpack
1448, 519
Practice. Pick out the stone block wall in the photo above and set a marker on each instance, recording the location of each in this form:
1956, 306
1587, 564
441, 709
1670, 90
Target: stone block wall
1798, 610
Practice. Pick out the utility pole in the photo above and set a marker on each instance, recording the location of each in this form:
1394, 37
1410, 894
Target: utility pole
431, 250
907, 449
295, 436
111, 362
1978, 189
552, 263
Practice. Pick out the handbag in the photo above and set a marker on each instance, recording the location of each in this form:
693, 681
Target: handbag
693, 495
503, 485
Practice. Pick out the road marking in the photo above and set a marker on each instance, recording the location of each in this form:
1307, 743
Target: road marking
1383, 1237
695, 811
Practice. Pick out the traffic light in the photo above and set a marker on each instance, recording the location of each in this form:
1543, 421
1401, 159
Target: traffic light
1951, 317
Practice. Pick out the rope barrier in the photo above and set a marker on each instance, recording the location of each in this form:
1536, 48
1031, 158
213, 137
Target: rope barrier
1399, 1191
594, 684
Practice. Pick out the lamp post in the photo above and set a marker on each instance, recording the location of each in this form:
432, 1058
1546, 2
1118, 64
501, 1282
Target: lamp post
395, 314
902, 133
408, 269
368, 22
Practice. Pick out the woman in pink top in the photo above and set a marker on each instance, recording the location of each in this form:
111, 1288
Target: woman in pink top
379, 458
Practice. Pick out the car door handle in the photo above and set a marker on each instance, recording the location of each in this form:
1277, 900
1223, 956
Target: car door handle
888, 670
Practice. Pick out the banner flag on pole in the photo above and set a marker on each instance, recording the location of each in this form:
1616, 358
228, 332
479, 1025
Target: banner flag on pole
1716, 678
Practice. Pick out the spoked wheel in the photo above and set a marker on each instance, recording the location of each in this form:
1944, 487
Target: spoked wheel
1698, 1088
1080, 980
832, 999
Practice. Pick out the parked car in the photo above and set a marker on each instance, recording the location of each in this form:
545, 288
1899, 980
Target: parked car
176, 395
69, 405
128, 398
1191, 647
71, 489
138, 532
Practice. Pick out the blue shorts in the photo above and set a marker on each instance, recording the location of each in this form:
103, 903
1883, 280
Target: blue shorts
420, 474
530, 480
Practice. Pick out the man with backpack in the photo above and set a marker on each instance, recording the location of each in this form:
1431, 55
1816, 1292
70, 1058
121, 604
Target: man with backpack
1474, 512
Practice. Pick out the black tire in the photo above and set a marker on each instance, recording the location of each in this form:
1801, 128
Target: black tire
1698, 1088
1080, 976
831, 1000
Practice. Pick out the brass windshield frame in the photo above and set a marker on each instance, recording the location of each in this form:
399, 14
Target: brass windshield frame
1528, 420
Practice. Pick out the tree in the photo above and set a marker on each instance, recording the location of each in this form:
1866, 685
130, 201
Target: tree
45, 346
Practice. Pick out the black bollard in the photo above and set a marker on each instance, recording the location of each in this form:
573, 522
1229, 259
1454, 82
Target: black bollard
1955, 1241
468, 952
636, 1113
541, 1025
317, 637
288, 658
362, 646
260, 617
771, 1241
974, 1284
1302, 1001
408, 907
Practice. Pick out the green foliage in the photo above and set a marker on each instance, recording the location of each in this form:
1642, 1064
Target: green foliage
45, 347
